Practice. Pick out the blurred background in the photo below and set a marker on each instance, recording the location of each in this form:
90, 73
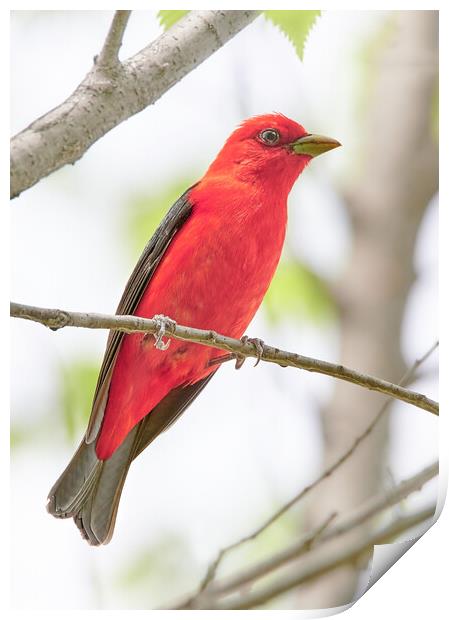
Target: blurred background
357, 284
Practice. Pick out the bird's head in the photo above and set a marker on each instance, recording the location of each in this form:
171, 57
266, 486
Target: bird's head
270, 147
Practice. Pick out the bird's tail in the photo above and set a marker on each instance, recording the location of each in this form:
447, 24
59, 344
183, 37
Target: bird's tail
89, 490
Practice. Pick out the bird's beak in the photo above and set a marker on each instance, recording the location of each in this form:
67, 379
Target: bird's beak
313, 145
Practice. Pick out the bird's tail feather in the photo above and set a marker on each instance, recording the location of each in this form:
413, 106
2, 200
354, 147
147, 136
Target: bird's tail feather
89, 490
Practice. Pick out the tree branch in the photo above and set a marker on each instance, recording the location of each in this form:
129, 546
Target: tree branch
245, 577
105, 99
318, 541
364, 513
56, 319
324, 560
108, 56
213, 567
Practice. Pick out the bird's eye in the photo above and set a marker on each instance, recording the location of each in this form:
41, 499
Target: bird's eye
270, 136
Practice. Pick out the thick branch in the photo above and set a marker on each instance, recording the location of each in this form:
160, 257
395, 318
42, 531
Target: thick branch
106, 98
108, 56
57, 319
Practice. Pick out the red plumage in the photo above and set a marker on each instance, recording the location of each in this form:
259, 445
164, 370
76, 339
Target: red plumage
214, 274
208, 266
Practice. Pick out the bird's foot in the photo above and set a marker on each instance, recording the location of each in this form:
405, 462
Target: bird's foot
258, 347
215, 361
238, 357
162, 322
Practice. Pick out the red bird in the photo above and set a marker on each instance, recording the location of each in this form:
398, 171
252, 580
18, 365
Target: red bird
208, 265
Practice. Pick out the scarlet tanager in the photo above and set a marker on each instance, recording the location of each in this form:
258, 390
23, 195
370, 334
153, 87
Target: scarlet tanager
208, 265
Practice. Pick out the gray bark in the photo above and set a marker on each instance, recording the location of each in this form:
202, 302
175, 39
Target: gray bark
314, 540
111, 93
326, 558
398, 178
239, 349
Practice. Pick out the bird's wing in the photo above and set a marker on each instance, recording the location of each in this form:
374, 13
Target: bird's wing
135, 287
166, 413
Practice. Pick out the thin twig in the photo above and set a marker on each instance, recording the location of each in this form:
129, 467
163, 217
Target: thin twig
371, 508
108, 57
245, 577
323, 560
410, 374
57, 319
213, 567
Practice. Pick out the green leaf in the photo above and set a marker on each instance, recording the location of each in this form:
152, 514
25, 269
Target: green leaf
296, 26
168, 18
299, 293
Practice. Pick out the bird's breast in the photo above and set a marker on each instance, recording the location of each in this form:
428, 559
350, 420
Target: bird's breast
218, 269
213, 275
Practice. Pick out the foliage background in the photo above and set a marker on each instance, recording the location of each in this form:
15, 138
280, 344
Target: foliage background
253, 438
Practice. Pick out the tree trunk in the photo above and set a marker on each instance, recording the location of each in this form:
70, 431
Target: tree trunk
398, 177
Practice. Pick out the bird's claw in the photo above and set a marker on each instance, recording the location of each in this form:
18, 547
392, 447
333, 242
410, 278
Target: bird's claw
216, 361
258, 346
239, 360
162, 322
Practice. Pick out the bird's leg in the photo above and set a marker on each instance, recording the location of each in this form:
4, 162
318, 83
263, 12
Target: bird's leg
162, 322
220, 359
258, 346
238, 357
239, 360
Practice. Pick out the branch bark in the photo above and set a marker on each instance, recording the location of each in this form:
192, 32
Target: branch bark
57, 319
112, 91
108, 56
213, 567
325, 560
317, 538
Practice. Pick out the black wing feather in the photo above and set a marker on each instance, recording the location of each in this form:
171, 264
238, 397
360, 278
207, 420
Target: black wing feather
89, 489
135, 287
167, 412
